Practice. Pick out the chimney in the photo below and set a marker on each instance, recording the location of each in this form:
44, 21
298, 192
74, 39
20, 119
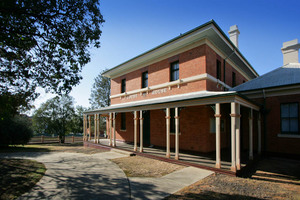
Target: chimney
234, 35
290, 52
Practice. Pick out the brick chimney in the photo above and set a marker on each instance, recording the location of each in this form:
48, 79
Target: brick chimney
290, 51
234, 35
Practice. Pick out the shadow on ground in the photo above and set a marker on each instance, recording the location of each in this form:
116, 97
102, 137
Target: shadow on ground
278, 170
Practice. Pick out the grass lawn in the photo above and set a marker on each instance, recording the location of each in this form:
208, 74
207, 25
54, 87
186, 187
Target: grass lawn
19, 176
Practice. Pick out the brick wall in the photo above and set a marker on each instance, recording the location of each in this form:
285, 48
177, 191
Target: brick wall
194, 128
275, 143
193, 62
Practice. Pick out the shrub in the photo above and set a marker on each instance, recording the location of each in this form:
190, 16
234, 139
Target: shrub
14, 131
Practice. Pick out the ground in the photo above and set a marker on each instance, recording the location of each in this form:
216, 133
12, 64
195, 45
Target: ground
272, 178
226, 187
18, 176
146, 167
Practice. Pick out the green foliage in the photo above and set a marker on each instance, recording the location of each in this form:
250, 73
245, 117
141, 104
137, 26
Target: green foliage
58, 116
15, 130
45, 43
100, 92
77, 120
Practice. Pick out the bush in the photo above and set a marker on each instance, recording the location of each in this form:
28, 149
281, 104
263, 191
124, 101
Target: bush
14, 131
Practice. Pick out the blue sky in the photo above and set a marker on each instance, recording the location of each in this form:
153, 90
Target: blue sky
135, 26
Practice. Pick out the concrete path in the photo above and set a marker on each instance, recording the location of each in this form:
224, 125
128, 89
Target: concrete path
80, 176
158, 188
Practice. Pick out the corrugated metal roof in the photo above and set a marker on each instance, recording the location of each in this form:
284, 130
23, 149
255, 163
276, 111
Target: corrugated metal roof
162, 100
286, 75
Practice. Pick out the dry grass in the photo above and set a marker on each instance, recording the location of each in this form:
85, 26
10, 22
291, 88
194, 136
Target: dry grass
56, 147
138, 166
18, 176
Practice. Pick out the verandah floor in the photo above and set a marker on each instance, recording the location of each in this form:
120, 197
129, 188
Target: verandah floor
201, 160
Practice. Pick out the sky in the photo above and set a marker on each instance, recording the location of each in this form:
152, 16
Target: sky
134, 26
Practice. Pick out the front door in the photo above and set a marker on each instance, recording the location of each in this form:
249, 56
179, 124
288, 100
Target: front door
146, 128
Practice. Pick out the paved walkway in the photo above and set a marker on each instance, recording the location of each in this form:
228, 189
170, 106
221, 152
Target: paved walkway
80, 176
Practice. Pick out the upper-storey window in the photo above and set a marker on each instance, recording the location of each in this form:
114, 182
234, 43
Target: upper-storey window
218, 70
289, 114
233, 79
174, 71
144, 79
123, 85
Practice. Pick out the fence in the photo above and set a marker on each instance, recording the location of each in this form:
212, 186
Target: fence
55, 139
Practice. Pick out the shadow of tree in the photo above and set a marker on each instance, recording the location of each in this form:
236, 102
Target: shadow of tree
209, 195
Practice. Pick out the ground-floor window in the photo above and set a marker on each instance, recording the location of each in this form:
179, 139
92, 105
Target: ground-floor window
123, 121
289, 114
172, 121
212, 125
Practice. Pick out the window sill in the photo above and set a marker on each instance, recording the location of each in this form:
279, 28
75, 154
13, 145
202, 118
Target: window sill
123, 130
288, 136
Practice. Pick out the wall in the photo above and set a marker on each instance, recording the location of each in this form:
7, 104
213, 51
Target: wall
273, 142
193, 62
194, 129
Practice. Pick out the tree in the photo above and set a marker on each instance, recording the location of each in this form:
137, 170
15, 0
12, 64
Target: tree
55, 116
15, 130
78, 120
100, 92
45, 43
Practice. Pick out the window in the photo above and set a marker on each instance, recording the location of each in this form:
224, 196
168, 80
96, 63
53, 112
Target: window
218, 70
123, 121
174, 71
212, 125
123, 85
144, 79
172, 120
233, 80
289, 114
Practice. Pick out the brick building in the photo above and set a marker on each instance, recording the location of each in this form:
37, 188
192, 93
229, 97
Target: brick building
179, 96
278, 94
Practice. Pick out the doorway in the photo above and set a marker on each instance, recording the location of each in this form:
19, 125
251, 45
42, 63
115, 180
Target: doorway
146, 128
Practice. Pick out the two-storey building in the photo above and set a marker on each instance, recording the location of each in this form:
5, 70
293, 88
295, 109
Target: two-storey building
176, 96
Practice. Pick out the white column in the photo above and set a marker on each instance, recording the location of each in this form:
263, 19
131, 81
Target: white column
218, 136
98, 128
259, 133
89, 127
95, 128
84, 127
233, 120
135, 130
251, 135
114, 127
176, 134
141, 131
110, 129
168, 132
238, 137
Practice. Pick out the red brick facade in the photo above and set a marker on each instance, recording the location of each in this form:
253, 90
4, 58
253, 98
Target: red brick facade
195, 122
275, 142
193, 62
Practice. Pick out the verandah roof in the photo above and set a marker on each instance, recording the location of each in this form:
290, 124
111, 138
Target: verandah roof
181, 100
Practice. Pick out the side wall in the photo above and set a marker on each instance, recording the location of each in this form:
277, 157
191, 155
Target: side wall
273, 142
